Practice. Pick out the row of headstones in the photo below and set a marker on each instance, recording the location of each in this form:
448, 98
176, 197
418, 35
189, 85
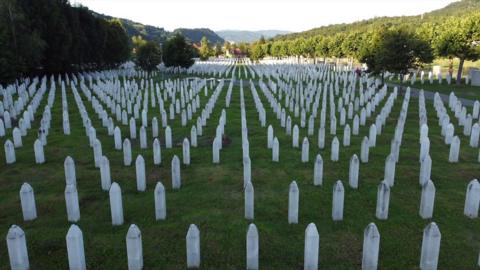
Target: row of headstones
383, 195
9, 147
127, 150
19, 259
273, 143
281, 113
287, 122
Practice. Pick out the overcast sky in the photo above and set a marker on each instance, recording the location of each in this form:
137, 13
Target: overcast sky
292, 15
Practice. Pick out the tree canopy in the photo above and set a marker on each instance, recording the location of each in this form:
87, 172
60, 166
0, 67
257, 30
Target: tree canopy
396, 50
459, 37
149, 55
50, 36
177, 52
205, 51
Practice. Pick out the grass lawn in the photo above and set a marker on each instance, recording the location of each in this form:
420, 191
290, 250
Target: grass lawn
463, 91
212, 195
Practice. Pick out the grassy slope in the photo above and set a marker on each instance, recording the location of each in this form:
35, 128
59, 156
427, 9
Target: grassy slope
212, 197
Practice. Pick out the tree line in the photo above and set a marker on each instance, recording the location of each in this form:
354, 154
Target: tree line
51, 36
387, 47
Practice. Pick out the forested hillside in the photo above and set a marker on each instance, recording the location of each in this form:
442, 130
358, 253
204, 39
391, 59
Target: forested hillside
158, 34
461, 8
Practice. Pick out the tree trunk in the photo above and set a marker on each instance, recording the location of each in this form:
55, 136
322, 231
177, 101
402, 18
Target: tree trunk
460, 69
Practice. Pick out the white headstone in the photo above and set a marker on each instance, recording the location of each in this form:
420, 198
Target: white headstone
427, 200
383, 200
338, 201
293, 200
276, 150
312, 241
38, 149
186, 151
249, 201
454, 150
318, 171
105, 176
270, 136
371, 247
472, 199
75, 248
160, 202
116, 204
176, 178
127, 152
364, 151
354, 171
17, 248
252, 247
168, 137
193, 247
335, 149
216, 150
157, 152
9, 152
71, 201
140, 172
305, 150
390, 170
27, 200
430, 247
134, 248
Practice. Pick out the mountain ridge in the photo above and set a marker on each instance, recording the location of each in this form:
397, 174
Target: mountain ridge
238, 36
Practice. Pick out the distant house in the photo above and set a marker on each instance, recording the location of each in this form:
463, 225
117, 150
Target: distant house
238, 53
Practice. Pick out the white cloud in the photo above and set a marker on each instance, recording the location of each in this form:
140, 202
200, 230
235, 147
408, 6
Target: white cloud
293, 15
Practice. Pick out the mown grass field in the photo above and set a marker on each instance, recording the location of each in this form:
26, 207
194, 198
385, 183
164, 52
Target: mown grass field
212, 196
462, 90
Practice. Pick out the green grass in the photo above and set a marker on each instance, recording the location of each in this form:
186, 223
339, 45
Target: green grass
212, 196
463, 91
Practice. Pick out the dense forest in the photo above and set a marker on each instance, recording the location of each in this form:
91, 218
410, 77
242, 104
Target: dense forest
51, 36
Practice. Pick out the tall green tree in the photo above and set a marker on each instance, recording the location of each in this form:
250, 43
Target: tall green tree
21, 49
205, 51
118, 48
177, 52
396, 50
149, 55
459, 37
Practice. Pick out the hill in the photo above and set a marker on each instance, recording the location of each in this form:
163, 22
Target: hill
159, 34
196, 34
238, 36
454, 9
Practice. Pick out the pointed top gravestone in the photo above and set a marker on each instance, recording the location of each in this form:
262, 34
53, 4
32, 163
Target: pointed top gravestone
116, 204
160, 202
134, 248
312, 240
69, 166
17, 248
371, 247
193, 247
249, 201
430, 247
338, 201
27, 200
75, 248
293, 201
252, 247
176, 178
